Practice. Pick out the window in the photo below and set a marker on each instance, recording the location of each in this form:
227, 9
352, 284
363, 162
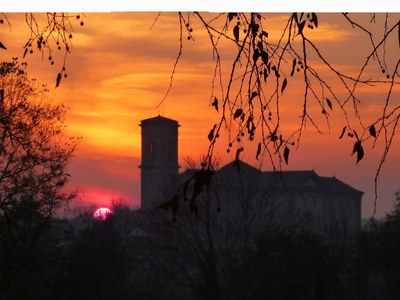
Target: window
151, 151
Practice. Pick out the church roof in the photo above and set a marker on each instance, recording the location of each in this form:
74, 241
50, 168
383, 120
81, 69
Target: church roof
234, 173
159, 121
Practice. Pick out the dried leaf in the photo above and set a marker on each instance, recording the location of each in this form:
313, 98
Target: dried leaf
359, 150
343, 131
59, 75
264, 57
215, 103
293, 67
256, 55
236, 33
253, 95
329, 103
314, 19
286, 154
283, 85
25, 52
211, 133
231, 16
372, 131
237, 113
258, 150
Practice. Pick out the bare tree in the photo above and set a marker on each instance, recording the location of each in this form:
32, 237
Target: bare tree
49, 33
249, 98
33, 159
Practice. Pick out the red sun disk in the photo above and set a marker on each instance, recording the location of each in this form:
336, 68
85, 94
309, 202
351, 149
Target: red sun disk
102, 213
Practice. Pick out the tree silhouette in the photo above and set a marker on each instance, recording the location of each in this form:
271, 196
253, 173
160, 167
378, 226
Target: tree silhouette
33, 159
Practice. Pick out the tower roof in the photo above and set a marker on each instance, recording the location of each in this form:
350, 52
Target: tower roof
159, 121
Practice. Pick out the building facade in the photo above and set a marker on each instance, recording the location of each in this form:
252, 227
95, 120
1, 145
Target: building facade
294, 199
159, 164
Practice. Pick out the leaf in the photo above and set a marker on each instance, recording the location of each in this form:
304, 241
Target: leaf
2, 46
283, 85
329, 103
258, 150
25, 52
286, 154
343, 131
301, 27
359, 150
238, 113
59, 75
264, 33
293, 66
253, 95
231, 16
211, 133
215, 103
264, 57
314, 19
236, 33
372, 131
256, 55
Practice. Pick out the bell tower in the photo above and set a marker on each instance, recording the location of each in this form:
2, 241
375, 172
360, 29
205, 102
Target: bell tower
159, 166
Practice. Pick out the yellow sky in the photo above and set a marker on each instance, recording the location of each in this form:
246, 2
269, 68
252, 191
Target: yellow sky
119, 71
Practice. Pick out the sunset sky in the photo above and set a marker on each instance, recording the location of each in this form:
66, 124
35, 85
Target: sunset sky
119, 71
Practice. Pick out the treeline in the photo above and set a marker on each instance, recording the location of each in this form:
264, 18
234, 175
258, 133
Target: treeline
144, 255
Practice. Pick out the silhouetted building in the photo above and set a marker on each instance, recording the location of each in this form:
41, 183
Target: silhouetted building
159, 167
293, 199
288, 199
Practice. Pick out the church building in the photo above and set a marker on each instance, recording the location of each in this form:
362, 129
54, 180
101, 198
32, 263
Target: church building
295, 199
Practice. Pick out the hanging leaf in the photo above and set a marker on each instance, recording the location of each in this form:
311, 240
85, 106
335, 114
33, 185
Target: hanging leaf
258, 150
359, 150
236, 33
25, 52
231, 16
293, 67
211, 133
215, 103
264, 56
256, 55
343, 131
265, 75
329, 103
283, 85
253, 95
264, 33
301, 27
372, 131
237, 113
286, 154
59, 75
314, 19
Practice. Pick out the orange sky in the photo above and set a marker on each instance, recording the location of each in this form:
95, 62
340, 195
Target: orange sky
119, 71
